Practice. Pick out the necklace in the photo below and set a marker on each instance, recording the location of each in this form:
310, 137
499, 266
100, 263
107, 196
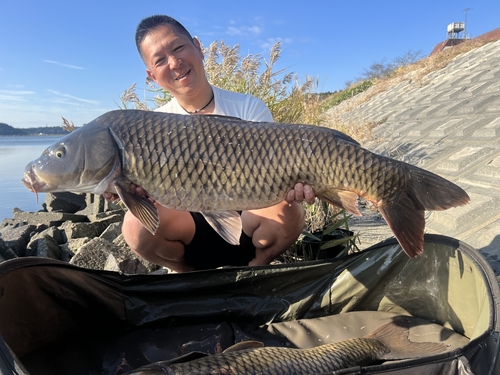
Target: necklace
202, 108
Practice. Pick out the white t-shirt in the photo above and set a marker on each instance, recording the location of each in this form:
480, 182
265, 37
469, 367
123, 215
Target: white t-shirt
229, 103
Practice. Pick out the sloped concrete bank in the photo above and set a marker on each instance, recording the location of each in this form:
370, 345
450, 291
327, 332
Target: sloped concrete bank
448, 123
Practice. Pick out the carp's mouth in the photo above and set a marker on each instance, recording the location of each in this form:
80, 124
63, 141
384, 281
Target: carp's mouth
30, 181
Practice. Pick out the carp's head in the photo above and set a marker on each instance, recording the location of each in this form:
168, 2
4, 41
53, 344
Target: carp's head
85, 161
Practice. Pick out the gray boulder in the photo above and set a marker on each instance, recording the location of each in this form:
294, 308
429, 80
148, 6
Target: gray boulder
64, 202
44, 246
16, 237
5, 251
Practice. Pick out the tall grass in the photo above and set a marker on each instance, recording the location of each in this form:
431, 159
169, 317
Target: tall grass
289, 100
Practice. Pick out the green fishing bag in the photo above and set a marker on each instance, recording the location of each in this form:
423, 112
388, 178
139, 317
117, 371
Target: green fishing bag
56, 318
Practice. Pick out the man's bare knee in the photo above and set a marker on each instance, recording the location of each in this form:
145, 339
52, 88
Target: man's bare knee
275, 231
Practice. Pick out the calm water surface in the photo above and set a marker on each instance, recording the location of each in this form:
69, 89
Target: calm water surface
15, 153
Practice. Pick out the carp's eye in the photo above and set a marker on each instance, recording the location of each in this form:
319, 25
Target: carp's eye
60, 153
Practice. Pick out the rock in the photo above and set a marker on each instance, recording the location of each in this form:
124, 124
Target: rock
106, 219
9, 222
76, 243
50, 219
124, 260
120, 241
53, 232
44, 246
17, 237
93, 254
122, 263
69, 248
72, 230
90, 229
64, 253
64, 202
95, 204
100, 254
112, 232
5, 251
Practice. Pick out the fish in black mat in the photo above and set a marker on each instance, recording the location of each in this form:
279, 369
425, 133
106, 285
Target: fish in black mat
389, 341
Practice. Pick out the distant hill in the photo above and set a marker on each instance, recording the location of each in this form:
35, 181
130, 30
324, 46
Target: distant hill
9, 130
46, 130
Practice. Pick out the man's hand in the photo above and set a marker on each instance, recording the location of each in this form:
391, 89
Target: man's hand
301, 192
110, 196
113, 196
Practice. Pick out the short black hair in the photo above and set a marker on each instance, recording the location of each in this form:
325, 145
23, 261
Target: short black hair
150, 23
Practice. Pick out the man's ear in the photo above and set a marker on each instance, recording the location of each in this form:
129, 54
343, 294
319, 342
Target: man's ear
197, 45
150, 74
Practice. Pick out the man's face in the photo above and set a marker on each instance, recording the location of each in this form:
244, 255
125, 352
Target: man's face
173, 60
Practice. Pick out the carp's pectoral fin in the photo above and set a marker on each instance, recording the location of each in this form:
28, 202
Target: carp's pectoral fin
345, 199
226, 223
141, 207
191, 356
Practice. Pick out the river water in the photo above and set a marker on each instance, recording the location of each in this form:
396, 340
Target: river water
15, 153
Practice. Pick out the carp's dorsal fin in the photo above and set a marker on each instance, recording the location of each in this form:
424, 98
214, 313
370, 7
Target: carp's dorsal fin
250, 344
223, 117
141, 207
226, 223
347, 200
344, 137
191, 356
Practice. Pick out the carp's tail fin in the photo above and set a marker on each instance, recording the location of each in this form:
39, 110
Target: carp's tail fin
405, 215
395, 336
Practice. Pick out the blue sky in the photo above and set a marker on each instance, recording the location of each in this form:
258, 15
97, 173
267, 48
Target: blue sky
74, 59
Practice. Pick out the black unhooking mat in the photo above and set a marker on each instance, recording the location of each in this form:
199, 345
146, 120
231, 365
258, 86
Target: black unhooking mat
59, 319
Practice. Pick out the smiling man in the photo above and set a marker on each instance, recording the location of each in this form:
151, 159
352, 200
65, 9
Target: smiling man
185, 241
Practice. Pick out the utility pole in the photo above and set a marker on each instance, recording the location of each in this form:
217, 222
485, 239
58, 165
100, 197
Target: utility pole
465, 23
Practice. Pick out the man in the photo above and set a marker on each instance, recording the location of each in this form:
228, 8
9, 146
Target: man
185, 241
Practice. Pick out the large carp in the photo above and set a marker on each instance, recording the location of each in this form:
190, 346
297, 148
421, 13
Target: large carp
389, 341
217, 165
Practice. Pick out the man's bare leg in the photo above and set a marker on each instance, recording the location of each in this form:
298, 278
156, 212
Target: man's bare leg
166, 248
273, 230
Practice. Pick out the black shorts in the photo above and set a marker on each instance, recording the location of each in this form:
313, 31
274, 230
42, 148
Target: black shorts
209, 250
